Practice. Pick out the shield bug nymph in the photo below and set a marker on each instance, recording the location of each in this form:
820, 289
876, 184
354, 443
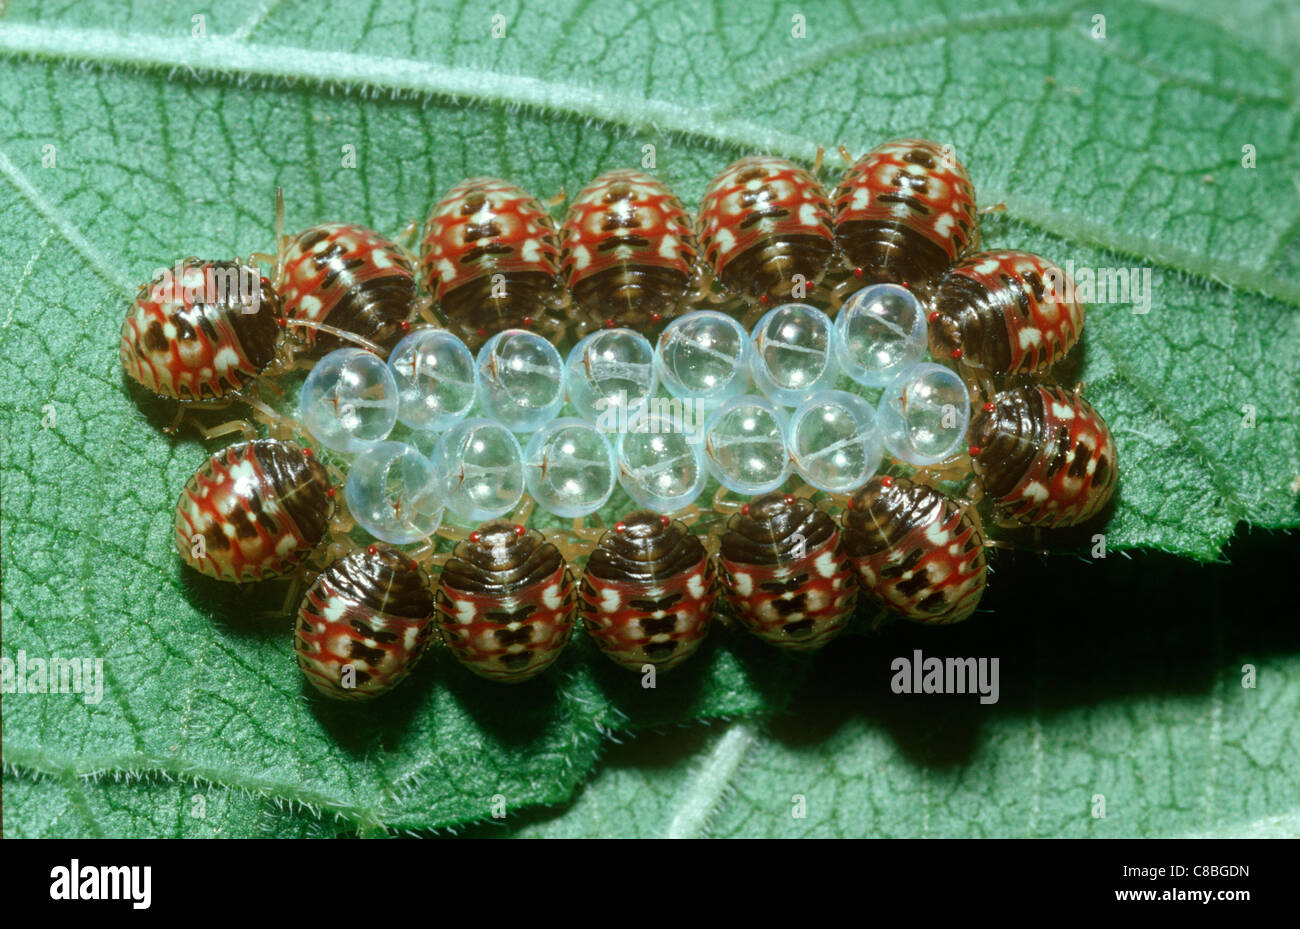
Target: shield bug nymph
506, 602
364, 624
785, 574
648, 592
918, 552
253, 511
1044, 456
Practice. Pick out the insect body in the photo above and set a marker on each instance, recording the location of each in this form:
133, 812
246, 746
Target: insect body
1005, 313
491, 259
506, 602
904, 213
1044, 456
364, 624
253, 511
203, 333
628, 250
784, 572
351, 278
648, 592
917, 552
763, 221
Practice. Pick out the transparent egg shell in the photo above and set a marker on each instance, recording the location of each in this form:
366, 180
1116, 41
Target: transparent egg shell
609, 368
393, 492
481, 466
834, 441
349, 400
880, 330
521, 380
569, 468
923, 414
661, 467
435, 377
794, 353
704, 356
744, 448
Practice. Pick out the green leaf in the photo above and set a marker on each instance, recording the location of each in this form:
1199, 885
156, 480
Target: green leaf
1145, 709
131, 142
70, 807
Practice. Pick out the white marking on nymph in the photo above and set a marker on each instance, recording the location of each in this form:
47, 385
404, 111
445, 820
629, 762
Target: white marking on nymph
243, 472
1036, 491
936, 534
310, 306
226, 359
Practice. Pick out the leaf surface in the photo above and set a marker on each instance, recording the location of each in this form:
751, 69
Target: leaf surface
129, 142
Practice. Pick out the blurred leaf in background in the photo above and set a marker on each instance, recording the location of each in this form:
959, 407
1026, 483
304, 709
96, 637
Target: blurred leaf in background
1158, 137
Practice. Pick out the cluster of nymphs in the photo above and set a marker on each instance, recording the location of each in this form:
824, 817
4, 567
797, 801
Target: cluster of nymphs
750, 404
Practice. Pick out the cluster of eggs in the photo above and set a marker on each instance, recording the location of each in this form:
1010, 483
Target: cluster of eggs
661, 449
748, 406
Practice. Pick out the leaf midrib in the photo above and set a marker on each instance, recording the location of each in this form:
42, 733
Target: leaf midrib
227, 58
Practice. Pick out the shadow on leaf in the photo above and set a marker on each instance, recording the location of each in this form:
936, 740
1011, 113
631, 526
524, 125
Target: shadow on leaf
1068, 634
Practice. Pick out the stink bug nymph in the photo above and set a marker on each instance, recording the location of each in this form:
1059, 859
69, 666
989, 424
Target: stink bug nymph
341, 276
1044, 456
647, 595
785, 574
1005, 313
918, 553
905, 212
364, 624
253, 511
201, 334
629, 251
506, 602
491, 258
765, 228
